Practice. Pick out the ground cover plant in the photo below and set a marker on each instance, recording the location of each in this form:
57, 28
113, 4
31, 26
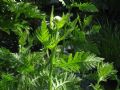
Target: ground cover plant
67, 58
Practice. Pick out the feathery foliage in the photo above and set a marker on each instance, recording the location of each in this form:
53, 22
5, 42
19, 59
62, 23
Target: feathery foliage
47, 68
80, 61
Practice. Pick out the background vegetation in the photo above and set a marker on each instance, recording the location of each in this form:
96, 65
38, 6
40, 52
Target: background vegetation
59, 45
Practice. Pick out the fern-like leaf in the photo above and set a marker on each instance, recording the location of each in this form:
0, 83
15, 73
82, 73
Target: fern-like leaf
25, 8
62, 82
87, 7
105, 70
80, 61
43, 33
54, 39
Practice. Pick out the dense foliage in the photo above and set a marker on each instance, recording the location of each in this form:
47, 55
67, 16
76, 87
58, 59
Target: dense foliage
68, 55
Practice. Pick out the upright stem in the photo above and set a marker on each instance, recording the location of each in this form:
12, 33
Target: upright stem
51, 67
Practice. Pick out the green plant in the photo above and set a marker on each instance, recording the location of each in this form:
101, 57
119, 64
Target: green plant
108, 44
104, 71
80, 61
49, 68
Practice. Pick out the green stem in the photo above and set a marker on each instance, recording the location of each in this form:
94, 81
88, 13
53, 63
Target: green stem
51, 67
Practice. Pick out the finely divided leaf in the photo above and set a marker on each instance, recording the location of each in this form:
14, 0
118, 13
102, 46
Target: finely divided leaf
80, 61
43, 33
105, 70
